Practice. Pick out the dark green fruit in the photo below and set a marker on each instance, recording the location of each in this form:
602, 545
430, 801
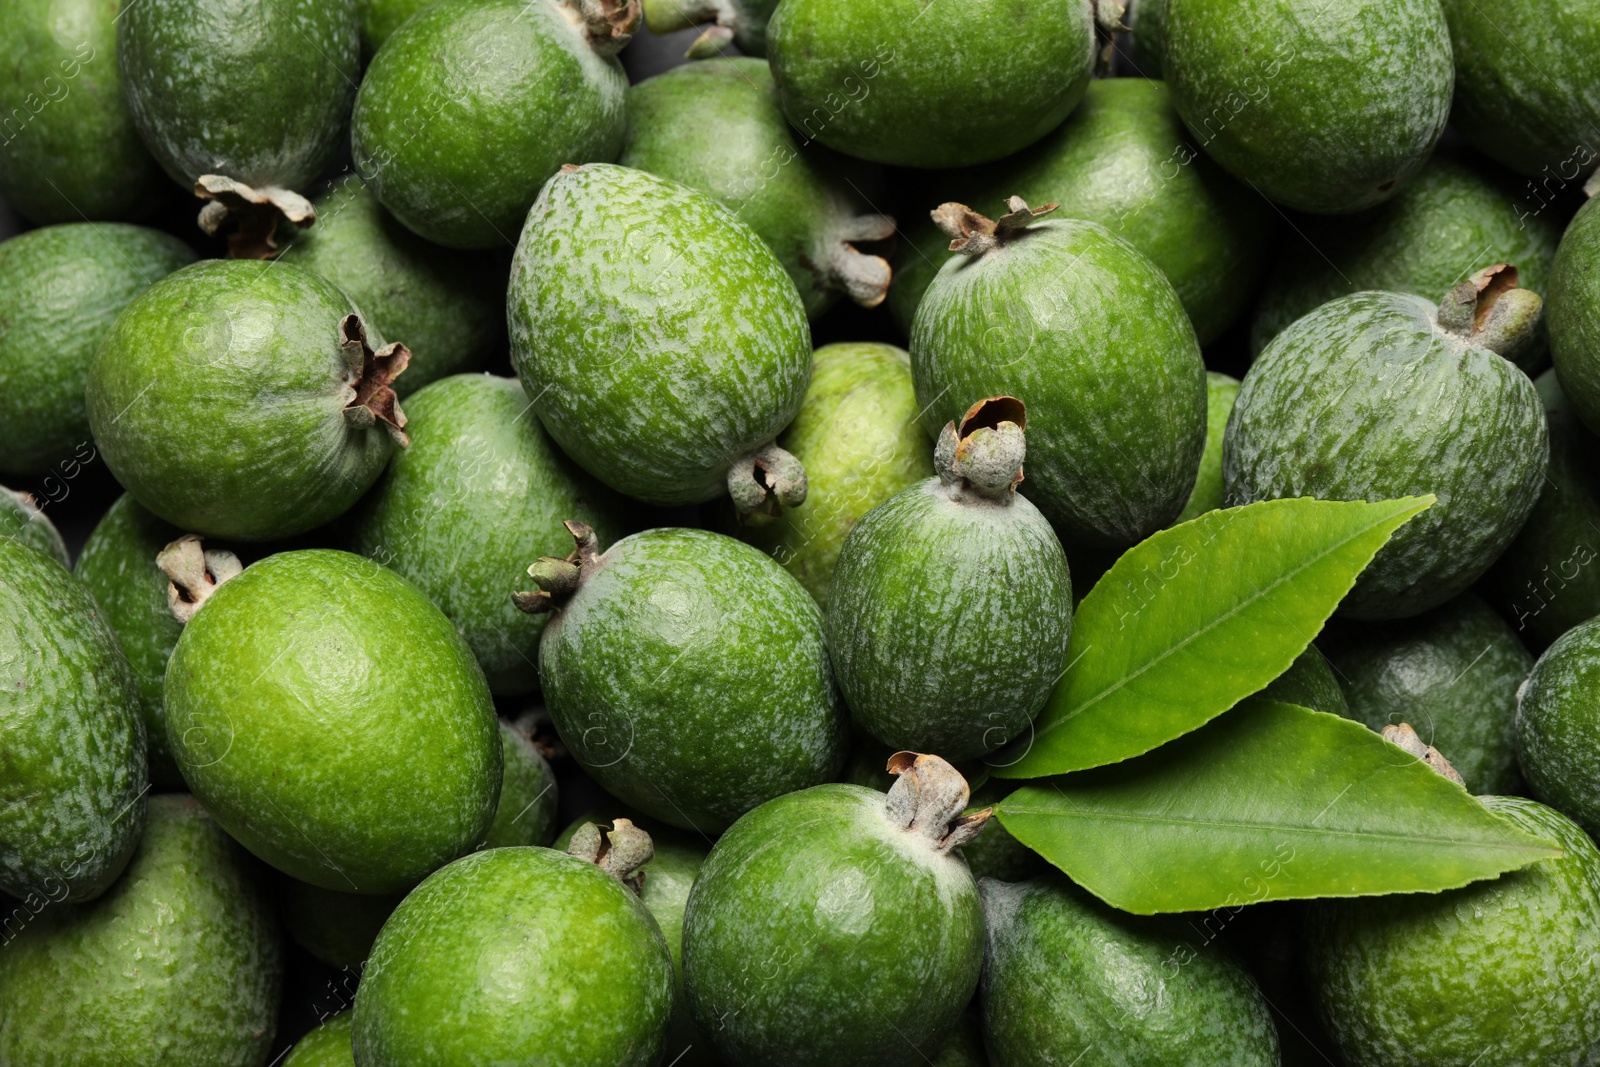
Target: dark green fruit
326, 1046
380, 18
1208, 494
333, 720
1090, 335
337, 928
72, 769
481, 491
61, 288
178, 965
716, 126
930, 85
461, 168
242, 399
1309, 682
1147, 19
686, 672
837, 926
1067, 977
1490, 974
1282, 93
21, 520
1382, 395
744, 22
661, 341
1557, 720
526, 812
1575, 315
951, 606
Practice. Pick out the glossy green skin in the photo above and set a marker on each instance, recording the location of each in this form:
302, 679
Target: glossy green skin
334, 722
1573, 313
1065, 976
217, 399
266, 107
178, 965
1208, 495
380, 18
61, 288
820, 933
72, 769
21, 520
994, 853
1328, 108
516, 955
1453, 674
1556, 723
337, 928
481, 494
858, 436
688, 676
75, 153
1497, 973
1457, 216
1090, 335
526, 812
1310, 683
1367, 399
1123, 160
919, 85
461, 168
660, 338
326, 1046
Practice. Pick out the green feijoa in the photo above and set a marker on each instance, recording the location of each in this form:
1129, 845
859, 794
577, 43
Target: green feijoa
716, 126
836, 925
1575, 315
1066, 976
1125, 161
686, 672
951, 606
995, 853
921, 85
744, 22
68, 149
23, 521
337, 928
333, 720
1146, 19
520, 955
326, 1046
1208, 495
481, 492
1283, 94
72, 770
661, 341
1310, 683
1558, 712
61, 288
380, 18
1489, 974
1381, 395
860, 441
462, 167
242, 399
1457, 216
179, 964
964, 1046
1089, 334
526, 812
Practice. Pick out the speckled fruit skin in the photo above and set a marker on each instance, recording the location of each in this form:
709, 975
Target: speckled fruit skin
76, 154
1089, 334
858, 436
1065, 976
516, 955
337, 928
265, 107
480, 494
1495, 974
61, 288
1208, 494
1453, 674
659, 338
380, 18
22, 520
217, 400
178, 965
920, 85
462, 168
1328, 108
1310, 683
688, 676
326, 1046
331, 719
1124, 160
1573, 313
820, 932
526, 812
1556, 726
1367, 399
72, 770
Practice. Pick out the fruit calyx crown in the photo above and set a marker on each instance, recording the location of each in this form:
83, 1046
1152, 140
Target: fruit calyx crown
609, 24
194, 573
557, 577
619, 851
373, 400
929, 799
1489, 311
972, 234
984, 455
1406, 738
766, 480
863, 277
257, 212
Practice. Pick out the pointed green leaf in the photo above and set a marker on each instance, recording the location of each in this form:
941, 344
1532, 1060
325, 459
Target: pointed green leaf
1194, 619
1269, 802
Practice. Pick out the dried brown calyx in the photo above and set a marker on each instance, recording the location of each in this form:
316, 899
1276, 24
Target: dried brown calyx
372, 399
929, 798
255, 213
557, 577
765, 481
1406, 738
972, 234
1489, 311
619, 851
609, 24
863, 276
983, 456
194, 573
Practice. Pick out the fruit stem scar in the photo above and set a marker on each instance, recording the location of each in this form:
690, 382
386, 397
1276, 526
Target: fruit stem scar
972, 234
558, 578
373, 400
256, 211
194, 574
928, 798
619, 851
765, 480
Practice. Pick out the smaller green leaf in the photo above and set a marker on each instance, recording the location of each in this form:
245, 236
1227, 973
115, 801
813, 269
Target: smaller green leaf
1269, 802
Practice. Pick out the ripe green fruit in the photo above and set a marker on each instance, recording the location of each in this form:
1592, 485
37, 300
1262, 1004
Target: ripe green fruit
1575, 315
1208, 494
1557, 717
337, 928
921, 85
836, 925
241, 399
1309, 682
380, 18
1282, 93
326, 1046
461, 168
333, 720
526, 812
22, 520
61, 288
178, 965
744, 22
1147, 20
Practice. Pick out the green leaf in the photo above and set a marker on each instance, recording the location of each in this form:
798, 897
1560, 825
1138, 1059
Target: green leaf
1269, 802
1194, 619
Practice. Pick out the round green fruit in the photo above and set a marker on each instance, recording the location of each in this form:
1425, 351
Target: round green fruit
380, 18
1574, 315
23, 521
1146, 19
326, 1046
1557, 718
526, 812
337, 928
744, 22
1208, 494
1310, 683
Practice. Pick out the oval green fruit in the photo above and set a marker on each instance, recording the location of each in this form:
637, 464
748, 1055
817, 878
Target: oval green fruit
380, 18
1208, 493
526, 811
1310, 683
326, 1046
337, 928
23, 521
1574, 315
1557, 717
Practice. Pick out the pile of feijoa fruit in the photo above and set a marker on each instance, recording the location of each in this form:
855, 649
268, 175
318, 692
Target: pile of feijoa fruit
799, 533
